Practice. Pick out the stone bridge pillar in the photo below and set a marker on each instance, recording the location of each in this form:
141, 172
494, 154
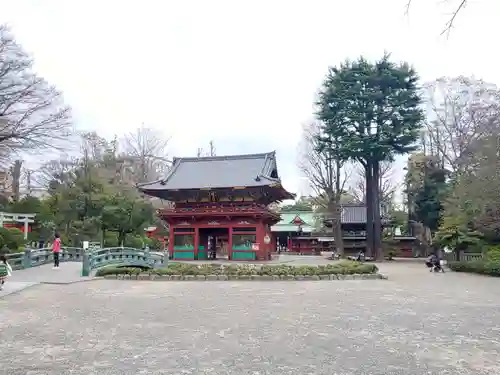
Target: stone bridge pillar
85, 263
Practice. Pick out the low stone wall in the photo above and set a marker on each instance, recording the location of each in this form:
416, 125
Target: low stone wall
146, 276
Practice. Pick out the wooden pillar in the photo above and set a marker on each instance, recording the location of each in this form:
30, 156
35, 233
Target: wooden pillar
230, 243
26, 227
171, 241
259, 239
196, 242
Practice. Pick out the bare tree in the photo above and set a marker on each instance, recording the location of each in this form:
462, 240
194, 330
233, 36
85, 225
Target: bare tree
211, 150
91, 155
460, 111
146, 152
327, 177
54, 172
387, 186
33, 112
458, 6
475, 197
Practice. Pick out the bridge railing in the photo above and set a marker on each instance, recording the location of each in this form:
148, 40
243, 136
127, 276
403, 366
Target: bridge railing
36, 257
123, 256
91, 259
98, 258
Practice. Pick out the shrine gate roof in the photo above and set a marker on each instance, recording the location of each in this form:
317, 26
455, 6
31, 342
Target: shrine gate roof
291, 220
212, 172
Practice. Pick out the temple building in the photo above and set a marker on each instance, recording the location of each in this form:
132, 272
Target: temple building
220, 206
293, 232
305, 232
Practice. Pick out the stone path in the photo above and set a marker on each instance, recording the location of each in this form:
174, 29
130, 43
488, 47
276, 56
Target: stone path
15, 286
415, 323
68, 272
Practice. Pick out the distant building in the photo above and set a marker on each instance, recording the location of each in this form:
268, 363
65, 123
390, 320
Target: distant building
6, 182
300, 231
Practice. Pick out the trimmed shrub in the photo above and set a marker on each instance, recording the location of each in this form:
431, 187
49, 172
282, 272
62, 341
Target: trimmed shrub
133, 241
111, 239
341, 268
156, 244
111, 270
13, 238
479, 266
492, 254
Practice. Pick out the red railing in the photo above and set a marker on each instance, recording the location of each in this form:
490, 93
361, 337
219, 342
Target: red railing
220, 208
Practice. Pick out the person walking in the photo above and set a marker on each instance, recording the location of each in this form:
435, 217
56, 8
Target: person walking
56, 250
5, 270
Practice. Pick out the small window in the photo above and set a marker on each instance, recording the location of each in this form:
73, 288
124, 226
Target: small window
274, 173
184, 240
243, 241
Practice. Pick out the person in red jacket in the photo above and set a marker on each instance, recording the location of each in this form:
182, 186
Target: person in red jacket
56, 250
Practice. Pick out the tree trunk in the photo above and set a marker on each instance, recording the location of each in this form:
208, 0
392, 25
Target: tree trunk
377, 222
103, 238
336, 211
121, 238
369, 207
339, 236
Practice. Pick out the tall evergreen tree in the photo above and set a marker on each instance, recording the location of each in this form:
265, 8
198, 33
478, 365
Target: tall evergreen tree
426, 189
374, 110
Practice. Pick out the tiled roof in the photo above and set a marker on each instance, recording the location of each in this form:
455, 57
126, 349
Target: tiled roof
354, 214
351, 214
218, 172
287, 223
308, 217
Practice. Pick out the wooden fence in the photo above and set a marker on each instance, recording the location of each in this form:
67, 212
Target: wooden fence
463, 257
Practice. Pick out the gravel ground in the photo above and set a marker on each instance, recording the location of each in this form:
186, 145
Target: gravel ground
414, 323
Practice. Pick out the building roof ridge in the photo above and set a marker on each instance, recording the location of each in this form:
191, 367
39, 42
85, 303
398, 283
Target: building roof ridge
223, 157
274, 180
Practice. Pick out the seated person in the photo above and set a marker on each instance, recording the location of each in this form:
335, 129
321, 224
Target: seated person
432, 260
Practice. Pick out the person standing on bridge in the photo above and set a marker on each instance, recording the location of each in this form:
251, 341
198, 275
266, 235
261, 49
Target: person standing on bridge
5, 270
56, 250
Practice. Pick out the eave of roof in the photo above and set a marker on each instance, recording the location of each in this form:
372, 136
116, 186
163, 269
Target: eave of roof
261, 179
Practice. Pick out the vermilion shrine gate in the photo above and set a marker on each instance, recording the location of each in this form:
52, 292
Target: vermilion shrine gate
221, 206
22, 222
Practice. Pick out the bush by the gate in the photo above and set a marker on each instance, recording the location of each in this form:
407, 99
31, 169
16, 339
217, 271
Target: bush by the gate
186, 269
478, 266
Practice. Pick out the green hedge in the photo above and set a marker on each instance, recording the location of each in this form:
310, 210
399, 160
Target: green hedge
120, 271
11, 238
492, 254
478, 266
341, 268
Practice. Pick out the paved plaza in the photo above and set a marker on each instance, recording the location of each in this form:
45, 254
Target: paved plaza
414, 323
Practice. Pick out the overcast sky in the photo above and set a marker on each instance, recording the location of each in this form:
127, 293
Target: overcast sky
243, 73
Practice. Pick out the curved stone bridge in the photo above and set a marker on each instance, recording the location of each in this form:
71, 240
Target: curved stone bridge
34, 266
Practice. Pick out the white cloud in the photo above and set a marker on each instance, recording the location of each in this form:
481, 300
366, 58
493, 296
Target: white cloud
241, 73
